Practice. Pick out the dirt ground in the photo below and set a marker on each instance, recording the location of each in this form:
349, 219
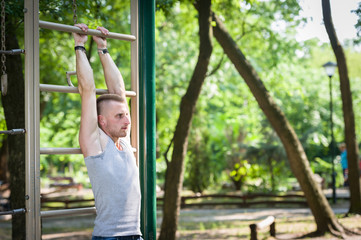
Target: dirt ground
203, 224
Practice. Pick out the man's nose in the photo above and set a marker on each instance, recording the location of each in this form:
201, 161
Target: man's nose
127, 121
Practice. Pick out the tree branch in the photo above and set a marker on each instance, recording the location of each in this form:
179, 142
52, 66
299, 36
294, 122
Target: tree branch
166, 152
217, 67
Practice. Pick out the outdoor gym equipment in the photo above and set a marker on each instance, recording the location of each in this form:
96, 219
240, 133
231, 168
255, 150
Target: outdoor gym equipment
142, 94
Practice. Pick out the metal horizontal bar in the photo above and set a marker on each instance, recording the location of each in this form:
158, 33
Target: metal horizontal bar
13, 212
68, 74
71, 29
13, 131
68, 89
60, 151
68, 212
54, 151
12, 51
65, 89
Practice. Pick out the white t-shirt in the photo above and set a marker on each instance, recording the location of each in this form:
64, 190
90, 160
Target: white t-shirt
114, 177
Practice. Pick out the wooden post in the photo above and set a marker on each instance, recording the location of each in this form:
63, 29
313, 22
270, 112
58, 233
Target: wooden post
272, 229
253, 231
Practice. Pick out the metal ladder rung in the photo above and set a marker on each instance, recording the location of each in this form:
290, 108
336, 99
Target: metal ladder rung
92, 32
12, 51
59, 151
13, 212
13, 131
68, 89
67, 212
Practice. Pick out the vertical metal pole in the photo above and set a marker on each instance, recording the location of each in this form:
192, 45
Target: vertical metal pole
147, 115
332, 145
32, 149
134, 65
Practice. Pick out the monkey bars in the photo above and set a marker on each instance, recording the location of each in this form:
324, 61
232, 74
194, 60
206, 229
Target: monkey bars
68, 89
92, 32
142, 95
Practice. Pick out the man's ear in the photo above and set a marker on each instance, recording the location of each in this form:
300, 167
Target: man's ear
101, 120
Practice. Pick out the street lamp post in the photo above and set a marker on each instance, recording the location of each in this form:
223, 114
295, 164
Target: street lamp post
330, 68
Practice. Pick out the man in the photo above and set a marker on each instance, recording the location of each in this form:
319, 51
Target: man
344, 163
104, 142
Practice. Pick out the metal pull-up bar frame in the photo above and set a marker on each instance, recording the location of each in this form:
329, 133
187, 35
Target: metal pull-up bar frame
12, 51
142, 104
33, 87
92, 32
13, 212
68, 212
68, 89
13, 131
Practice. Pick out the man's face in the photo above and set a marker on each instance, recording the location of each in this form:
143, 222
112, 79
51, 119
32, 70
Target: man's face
115, 119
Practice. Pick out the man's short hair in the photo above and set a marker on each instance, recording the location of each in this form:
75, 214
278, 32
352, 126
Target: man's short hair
106, 98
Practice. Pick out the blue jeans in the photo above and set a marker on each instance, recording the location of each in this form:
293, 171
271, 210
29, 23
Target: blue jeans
134, 237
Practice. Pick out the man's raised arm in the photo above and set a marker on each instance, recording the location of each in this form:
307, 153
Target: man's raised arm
88, 135
113, 77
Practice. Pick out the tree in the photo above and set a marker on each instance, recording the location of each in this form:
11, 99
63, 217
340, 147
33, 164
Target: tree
175, 167
348, 113
321, 210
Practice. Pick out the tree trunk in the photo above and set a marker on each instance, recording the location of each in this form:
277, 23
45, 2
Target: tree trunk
175, 168
13, 104
348, 114
4, 171
321, 210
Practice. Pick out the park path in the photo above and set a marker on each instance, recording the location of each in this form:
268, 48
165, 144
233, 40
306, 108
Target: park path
186, 215
214, 215
198, 215
195, 216
246, 214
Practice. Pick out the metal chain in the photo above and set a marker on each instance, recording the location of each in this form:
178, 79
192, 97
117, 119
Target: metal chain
75, 18
3, 57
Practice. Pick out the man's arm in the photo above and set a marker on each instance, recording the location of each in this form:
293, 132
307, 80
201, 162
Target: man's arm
113, 77
88, 135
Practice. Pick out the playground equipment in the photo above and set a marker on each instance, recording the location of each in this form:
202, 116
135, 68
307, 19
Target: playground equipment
142, 96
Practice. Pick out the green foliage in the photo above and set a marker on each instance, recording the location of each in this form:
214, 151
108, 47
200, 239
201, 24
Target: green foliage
174, 60
358, 24
239, 174
199, 161
254, 177
228, 127
324, 169
228, 119
165, 6
203, 160
262, 26
2, 125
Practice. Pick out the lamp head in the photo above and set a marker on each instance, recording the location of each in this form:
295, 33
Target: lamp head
330, 68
